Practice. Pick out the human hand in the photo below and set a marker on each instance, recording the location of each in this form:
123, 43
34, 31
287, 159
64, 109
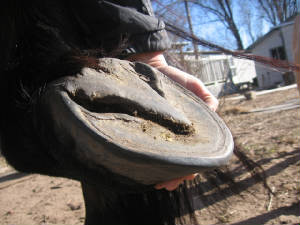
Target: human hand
157, 60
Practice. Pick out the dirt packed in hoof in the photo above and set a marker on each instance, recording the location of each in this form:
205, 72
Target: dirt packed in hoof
266, 129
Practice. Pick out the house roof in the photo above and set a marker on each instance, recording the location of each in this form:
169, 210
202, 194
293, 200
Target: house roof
288, 22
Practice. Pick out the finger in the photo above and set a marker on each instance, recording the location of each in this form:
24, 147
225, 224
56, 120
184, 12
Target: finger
190, 177
169, 185
212, 103
198, 88
173, 184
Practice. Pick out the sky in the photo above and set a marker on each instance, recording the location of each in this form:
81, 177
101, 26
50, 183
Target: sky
215, 31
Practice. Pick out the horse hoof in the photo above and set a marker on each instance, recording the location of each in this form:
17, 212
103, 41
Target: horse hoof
136, 122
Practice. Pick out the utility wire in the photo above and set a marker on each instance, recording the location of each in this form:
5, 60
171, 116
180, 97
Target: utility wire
275, 63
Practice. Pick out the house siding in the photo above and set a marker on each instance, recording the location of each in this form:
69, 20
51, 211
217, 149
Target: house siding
288, 40
268, 77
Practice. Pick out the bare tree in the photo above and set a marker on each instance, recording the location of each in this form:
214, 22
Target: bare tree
169, 11
223, 10
277, 11
220, 11
250, 21
236, 16
188, 16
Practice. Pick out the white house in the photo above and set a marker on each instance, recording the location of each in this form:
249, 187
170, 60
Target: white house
277, 43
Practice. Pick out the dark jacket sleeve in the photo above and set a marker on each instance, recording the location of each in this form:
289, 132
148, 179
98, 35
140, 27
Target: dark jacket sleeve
145, 32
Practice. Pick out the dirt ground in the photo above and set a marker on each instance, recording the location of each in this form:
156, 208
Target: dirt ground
271, 139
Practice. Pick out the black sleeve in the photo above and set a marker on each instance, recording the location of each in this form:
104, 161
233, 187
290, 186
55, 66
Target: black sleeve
136, 18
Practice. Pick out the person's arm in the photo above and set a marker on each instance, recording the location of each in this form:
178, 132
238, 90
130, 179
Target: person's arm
157, 60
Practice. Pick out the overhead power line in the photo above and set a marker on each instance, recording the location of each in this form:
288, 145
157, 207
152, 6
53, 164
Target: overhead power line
239, 54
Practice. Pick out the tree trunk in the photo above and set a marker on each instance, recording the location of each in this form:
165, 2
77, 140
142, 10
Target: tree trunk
188, 15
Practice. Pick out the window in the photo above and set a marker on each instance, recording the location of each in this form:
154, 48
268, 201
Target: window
278, 53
